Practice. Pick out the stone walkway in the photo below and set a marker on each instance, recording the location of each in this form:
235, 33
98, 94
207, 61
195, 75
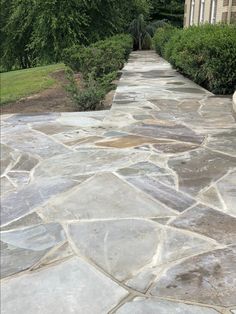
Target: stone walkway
127, 211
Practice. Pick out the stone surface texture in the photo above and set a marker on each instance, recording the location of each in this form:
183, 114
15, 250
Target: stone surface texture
130, 210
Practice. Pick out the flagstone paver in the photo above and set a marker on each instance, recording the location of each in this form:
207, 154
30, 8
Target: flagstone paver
129, 210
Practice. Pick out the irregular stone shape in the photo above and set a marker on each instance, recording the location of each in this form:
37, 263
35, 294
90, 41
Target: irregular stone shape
164, 194
120, 247
65, 288
123, 247
23, 201
70, 119
199, 168
83, 141
32, 118
90, 161
104, 196
33, 142
52, 128
207, 278
61, 253
143, 168
174, 148
28, 220
190, 90
25, 163
22, 248
223, 142
19, 178
127, 141
8, 157
152, 306
209, 222
6, 186
211, 196
175, 132
227, 188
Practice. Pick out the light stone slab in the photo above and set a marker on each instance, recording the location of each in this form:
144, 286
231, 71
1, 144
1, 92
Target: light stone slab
104, 196
70, 287
152, 306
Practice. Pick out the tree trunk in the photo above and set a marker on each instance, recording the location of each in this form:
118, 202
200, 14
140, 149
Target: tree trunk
140, 42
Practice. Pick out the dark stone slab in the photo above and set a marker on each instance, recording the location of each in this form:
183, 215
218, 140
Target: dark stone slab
164, 194
199, 168
206, 278
209, 222
175, 132
25, 163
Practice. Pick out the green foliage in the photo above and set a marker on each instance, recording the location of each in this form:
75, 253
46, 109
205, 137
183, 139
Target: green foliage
87, 97
35, 32
206, 54
162, 36
101, 58
142, 32
99, 64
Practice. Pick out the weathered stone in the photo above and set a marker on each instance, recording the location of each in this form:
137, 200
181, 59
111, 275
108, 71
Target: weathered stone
19, 178
199, 168
164, 194
32, 118
224, 142
52, 128
18, 204
209, 222
33, 142
211, 196
8, 158
25, 163
6, 186
90, 161
127, 141
143, 168
22, 248
26, 221
207, 278
175, 132
88, 201
65, 288
174, 147
152, 306
227, 189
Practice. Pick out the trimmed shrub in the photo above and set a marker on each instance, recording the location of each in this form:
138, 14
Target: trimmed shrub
99, 64
206, 54
162, 36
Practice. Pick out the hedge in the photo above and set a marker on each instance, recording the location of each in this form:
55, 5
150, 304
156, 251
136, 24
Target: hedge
206, 54
99, 64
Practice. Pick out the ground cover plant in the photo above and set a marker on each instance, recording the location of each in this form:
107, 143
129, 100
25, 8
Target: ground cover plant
205, 54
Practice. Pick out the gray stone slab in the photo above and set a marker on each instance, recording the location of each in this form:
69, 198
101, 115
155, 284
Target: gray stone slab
164, 194
6, 186
143, 168
104, 196
208, 278
8, 157
227, 190
199, 168
88, 161
224, 142
152, 306
26, 221
17, 204
71, 287
25, 163
22, 248
32, 118
209, 222
174, 132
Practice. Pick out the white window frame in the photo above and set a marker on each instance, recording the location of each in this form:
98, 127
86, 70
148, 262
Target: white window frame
192, 9
202, 11
213, 11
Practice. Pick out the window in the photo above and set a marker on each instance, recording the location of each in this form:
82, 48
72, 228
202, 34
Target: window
202, 11
213, 11
192, 12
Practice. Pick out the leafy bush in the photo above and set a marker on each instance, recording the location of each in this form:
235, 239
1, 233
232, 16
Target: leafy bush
162, 36
99, 64
101, 58
206, 54
88, 96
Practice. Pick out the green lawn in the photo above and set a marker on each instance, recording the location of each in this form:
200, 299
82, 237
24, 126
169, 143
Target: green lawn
22, 83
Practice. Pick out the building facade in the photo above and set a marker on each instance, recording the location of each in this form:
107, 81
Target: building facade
198, 12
